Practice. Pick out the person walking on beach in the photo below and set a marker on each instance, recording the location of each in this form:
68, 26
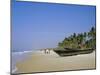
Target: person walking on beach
47, 51
44, 51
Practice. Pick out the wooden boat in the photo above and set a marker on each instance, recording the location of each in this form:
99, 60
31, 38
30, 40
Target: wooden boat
71, 52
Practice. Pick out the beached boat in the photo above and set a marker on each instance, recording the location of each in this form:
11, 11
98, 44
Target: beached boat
71, 52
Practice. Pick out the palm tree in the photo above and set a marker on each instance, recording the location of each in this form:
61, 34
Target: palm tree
84, 39
92, 37
81, 40
92, 33
75, 44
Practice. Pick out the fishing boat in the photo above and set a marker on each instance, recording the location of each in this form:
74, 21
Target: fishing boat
71, 51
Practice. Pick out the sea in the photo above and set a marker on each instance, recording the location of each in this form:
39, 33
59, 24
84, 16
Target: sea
17, 56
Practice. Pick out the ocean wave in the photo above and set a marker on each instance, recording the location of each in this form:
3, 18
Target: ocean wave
22, 52
14, 69
18, 56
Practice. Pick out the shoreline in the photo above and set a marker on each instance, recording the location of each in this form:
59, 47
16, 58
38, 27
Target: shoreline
14, 70
18, 57
40, 62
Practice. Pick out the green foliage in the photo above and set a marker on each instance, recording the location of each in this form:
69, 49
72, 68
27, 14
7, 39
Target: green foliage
81, 40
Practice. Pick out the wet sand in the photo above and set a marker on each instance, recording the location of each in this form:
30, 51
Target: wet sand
40, 62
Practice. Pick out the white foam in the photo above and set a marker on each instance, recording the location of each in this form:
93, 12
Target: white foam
21, 52
14, 70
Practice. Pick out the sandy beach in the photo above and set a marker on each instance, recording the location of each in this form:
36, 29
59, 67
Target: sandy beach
40, 62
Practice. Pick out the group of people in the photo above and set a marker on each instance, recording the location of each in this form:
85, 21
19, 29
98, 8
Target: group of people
47, 51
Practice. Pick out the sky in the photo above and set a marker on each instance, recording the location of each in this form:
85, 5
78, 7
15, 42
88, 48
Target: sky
43, 25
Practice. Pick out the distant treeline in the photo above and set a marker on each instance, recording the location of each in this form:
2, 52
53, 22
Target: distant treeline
80, 41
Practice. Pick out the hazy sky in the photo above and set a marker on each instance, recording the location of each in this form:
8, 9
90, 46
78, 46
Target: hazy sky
43, 25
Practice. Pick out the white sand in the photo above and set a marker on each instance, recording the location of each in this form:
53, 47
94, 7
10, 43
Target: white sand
40, 62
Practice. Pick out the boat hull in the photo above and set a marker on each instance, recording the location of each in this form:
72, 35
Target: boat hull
71, 52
